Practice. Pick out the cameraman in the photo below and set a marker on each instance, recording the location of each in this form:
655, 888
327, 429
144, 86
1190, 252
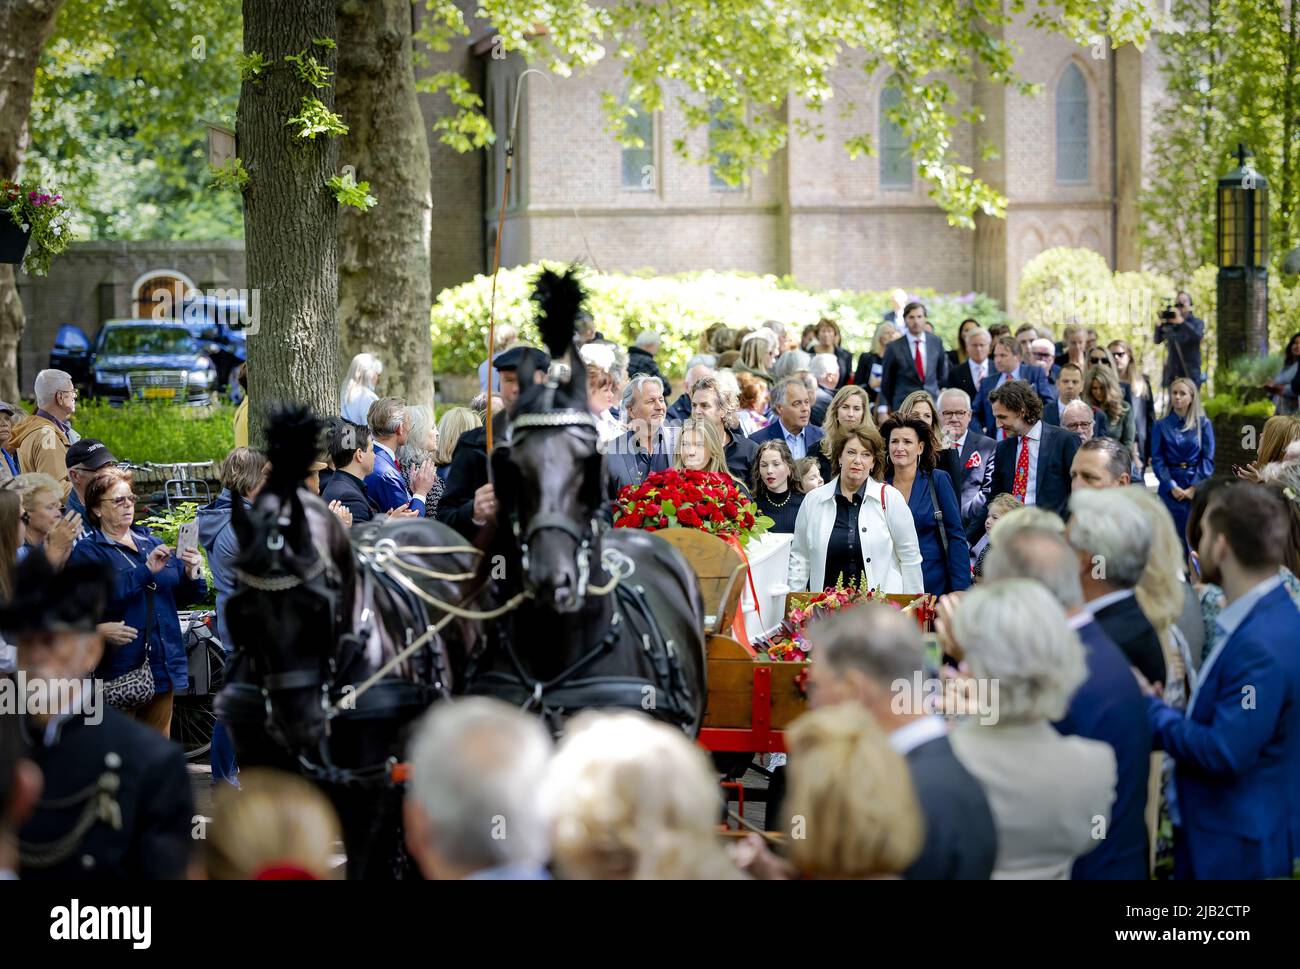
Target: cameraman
1183, 332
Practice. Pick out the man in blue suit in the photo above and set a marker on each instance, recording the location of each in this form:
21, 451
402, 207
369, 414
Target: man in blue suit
1236, 749
792, 402
1108, 706
390, 424
1007, 366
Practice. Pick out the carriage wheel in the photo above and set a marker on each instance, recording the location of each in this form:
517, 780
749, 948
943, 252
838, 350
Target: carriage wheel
192, 716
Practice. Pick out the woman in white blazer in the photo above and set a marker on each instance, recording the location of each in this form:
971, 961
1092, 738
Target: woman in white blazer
884, 550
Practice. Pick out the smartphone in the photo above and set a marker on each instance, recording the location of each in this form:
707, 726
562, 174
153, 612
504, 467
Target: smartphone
187, 538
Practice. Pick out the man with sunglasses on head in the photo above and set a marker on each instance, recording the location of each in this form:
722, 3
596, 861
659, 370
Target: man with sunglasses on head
1181, 331
41, 440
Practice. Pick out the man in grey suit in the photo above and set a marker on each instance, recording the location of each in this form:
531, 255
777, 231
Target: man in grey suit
476, 766
865, 656
975, 452
648, 445
916, 362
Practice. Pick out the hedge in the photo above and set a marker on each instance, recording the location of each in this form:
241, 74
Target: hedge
159, 433
680, 308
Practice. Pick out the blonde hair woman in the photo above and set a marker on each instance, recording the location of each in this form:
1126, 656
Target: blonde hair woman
854, 796
849, 407
274, 827
920, 404
357, 392
754, 355
451, 426
1182, 451
1279, 433
47, 526
1101, 390
871, 365
700, 448
631, 798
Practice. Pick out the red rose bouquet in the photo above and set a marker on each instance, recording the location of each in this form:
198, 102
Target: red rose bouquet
707, 500
789, 642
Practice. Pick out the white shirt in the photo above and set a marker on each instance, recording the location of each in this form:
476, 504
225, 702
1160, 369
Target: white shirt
978, 371
960, 443
387, 450
920, 731
1230, 618
1034, 435
913, 344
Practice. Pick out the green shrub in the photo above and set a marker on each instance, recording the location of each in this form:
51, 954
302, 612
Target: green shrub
160, 433
1220, 404
167, 526
679, 307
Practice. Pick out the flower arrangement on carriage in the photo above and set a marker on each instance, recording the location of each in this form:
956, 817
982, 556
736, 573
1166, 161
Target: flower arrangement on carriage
788, 641
706, 500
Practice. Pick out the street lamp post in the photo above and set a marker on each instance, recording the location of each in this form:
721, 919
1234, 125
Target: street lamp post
1242, 246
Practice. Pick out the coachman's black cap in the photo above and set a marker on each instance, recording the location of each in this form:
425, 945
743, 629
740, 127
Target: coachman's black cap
70, 599
512, 358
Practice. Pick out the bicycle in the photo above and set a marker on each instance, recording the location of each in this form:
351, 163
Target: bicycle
192, 714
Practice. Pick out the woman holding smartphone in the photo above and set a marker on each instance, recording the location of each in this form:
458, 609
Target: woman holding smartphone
149, 582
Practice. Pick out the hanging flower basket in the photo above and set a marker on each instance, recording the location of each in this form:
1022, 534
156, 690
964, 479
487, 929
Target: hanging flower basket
13, 240
34, 226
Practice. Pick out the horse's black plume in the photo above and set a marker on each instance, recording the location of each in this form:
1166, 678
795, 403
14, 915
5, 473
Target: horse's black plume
293, 441
559, 297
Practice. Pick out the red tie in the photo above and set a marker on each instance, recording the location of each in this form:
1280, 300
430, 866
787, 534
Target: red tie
1020, 484
920, 364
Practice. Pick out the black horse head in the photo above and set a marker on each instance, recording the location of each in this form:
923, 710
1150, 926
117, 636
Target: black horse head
295, 575
548, 479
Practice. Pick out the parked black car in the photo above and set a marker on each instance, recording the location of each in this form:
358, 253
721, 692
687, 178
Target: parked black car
219, 325
146, 360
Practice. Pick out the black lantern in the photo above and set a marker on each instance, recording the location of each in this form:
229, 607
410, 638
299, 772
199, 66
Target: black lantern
1242, 210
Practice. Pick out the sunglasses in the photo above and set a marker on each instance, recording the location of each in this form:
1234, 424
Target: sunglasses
123, 501
25, 518
1044, 355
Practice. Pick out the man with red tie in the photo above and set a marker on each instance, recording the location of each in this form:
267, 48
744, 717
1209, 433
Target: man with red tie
916, 362
1032, 463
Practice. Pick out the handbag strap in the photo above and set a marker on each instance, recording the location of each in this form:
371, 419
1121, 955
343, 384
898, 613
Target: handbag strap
148, 602
938, 517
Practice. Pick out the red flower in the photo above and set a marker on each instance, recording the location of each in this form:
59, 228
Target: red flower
688, 517
729, 509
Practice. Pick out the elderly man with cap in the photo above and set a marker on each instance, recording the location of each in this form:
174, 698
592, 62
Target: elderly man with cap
117, 801
468, 501
85, 459
8, 461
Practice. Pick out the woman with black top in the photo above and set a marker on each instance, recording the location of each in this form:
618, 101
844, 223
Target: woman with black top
871, 365
957, 355
829, 340
776, 485
946, 458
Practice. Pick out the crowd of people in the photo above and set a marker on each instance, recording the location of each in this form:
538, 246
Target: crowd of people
1140, 645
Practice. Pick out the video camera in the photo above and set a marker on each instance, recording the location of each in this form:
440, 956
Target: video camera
1168, 314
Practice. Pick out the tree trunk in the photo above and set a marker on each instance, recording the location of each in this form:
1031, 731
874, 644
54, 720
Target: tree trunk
25, 26
289, 213
384, 288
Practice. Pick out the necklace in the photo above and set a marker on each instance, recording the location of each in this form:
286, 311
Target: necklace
779, 504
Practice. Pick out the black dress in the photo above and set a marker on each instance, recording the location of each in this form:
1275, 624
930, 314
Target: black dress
783, 515
862, 377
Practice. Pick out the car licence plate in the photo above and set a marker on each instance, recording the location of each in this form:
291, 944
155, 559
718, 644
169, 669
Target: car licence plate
155, 393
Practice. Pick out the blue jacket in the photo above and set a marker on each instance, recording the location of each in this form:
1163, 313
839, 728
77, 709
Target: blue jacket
1237, 751
983, 409
131, 574
775, 431
386, 486
217, 536
1109, 707
942, 574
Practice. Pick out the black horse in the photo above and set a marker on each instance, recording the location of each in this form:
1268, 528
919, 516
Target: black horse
605, 618
340, 644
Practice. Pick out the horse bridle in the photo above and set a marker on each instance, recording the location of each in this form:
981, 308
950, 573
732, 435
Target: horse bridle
321, 579
583, 422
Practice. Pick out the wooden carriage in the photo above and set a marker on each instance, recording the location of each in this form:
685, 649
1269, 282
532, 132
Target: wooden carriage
751, 698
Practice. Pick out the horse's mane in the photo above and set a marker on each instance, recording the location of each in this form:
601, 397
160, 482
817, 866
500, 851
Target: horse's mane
559, 298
